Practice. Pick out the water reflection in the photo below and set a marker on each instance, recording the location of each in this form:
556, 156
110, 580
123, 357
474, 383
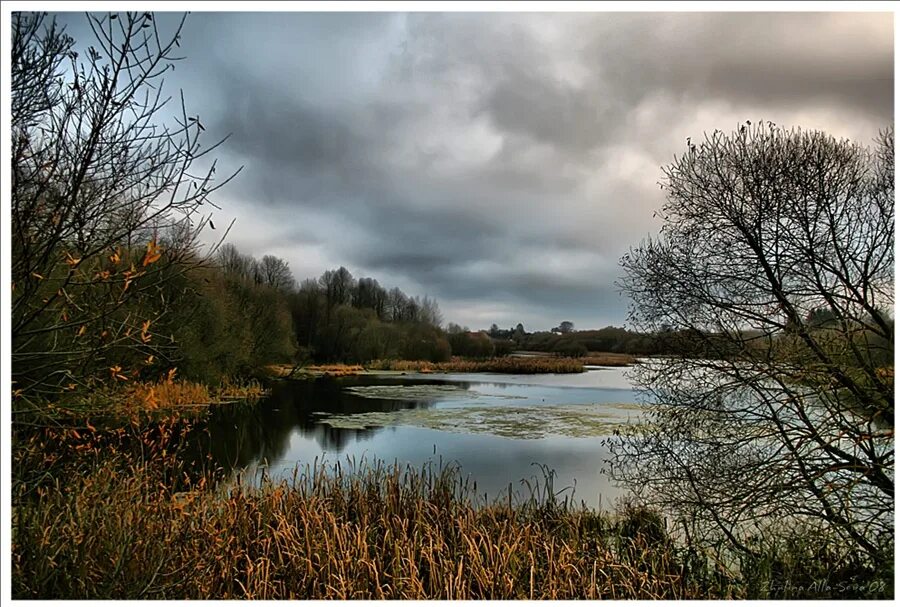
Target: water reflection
242, 434
289, 428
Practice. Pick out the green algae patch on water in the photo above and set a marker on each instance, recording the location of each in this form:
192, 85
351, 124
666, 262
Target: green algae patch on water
425, 392
527, 422
411, 393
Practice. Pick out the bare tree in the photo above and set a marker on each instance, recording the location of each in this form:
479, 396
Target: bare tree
338, 287
275, 273
430, 312
235, 264
107, 200
784, 422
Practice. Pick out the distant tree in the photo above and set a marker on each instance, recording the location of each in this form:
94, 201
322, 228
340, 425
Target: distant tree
369, 294
821, 317
471, 344
430, 312
337, 286
235, 264
780, 426
308, 312
568, 347
397, 304
566, 327
453, 328
275, 273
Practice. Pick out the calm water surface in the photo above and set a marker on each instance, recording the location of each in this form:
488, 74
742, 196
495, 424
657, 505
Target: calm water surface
496, 428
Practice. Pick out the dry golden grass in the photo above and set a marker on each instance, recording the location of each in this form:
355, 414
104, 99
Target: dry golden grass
383, 533
147, 397
335, 369
279, 370
608, 359
506, 364
124, 513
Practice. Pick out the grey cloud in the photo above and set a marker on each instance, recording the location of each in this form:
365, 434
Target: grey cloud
502, 162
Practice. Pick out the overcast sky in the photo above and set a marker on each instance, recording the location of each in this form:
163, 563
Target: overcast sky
501, 163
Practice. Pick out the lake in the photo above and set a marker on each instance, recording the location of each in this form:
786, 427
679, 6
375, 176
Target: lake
498, 429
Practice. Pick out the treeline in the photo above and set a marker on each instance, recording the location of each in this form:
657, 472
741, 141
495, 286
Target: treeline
579, 343
338, 318
685, 342
250, 312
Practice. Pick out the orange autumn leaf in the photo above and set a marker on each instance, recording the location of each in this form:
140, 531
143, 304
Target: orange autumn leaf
150, 399
153, 253
145, 332
72, 261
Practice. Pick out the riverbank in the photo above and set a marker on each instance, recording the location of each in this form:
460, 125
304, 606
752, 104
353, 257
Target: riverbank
506, 364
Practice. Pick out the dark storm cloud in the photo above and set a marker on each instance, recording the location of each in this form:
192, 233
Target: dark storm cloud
501, 162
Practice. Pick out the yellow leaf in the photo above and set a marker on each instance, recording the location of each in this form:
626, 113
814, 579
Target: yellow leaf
150, 399
115, 257
38, 276
81, 331
72, 261
153, 253
145, 335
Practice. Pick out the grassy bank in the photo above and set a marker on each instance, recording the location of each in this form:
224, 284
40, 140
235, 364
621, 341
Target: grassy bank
608, 359
503, 364
506, 364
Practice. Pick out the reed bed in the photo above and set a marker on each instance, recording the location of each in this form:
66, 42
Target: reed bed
381, 532
336, 370
136, 401
608, 359
124, 514
506, 364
